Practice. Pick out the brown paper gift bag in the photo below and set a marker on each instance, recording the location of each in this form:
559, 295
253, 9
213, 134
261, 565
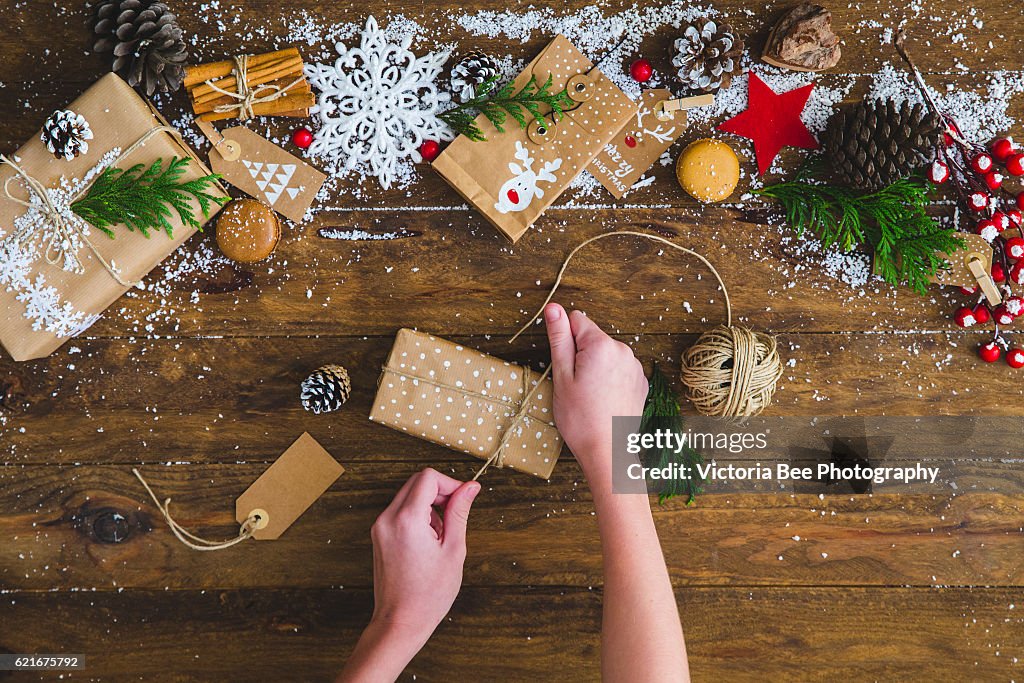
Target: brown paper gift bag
512, 177
470, 402
119, 118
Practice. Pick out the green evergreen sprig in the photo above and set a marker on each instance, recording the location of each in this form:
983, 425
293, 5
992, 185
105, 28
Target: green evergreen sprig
144, 199
522, 106
894, 221
661, 412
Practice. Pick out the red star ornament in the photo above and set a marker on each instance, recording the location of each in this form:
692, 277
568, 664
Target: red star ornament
772, 121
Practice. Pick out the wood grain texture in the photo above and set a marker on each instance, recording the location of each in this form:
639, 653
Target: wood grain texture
523, 634
94, 526
196, 379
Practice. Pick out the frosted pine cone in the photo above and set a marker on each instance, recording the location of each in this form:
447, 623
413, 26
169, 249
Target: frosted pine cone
706, 55
472, 71
66, 134
326, 389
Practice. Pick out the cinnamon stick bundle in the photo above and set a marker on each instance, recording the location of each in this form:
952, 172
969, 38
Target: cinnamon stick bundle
275, 77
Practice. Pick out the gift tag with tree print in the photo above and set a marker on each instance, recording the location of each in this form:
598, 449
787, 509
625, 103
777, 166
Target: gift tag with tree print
263, 170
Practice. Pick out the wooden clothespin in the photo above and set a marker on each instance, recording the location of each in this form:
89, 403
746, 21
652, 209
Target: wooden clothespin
664, 111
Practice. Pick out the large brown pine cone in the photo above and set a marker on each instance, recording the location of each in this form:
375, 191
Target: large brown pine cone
146, 41
877, 142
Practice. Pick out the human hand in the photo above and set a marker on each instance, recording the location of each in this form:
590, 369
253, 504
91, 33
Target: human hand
596, 378
418, 554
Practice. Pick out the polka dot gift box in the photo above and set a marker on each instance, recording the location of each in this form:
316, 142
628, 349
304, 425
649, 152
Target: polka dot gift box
470, 402
513, 176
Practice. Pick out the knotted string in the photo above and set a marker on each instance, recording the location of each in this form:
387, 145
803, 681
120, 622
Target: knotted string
245, 532
248, 97
61, 238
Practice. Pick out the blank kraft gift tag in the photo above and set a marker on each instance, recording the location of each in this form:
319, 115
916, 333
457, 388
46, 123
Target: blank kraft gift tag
636, 147
288, 487
263, 170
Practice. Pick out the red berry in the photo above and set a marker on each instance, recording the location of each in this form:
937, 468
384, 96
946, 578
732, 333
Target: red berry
1017, 273
978, 201
641, 70
1015, 358
964, 317
1014, 306
1015, 217
981, 314
1020, 200
938, 172
981, 163
1001, 220
429, 150
1015, 248
988, 229
998, 274
1002, 316
1002, 148
993, 180
1015, 164
302, 138
967, 291
990, 352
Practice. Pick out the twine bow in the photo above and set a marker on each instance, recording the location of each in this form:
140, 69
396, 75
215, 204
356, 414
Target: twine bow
60, 246
248, 97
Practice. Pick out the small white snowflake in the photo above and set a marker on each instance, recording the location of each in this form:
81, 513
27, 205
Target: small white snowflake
44, 308
376, 105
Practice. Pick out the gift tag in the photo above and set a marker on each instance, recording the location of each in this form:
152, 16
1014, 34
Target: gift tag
263, 170
288, 487
636, 147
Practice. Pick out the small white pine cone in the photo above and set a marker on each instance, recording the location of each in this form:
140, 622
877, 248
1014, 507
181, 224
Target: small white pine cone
65, 134
326, 389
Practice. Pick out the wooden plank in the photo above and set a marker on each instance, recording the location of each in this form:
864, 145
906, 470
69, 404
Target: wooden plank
527, 635
208, 400
90, 527
451, 282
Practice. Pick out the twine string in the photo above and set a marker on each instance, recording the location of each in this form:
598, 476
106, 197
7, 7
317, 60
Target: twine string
656, 238
188, 538
57, 248
730, 371
497, 458
246, 96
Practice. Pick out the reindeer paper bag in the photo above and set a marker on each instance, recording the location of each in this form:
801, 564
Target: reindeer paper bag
512, 177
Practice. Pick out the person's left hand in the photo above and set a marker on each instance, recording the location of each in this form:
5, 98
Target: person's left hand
418, 554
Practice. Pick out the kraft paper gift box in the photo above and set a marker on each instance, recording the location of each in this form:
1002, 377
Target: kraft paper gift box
468, 401
512, 177
118, 118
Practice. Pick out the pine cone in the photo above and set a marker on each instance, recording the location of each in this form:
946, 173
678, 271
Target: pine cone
471, 72
877, 142
326, 389
707, 54
65, 134
147, 43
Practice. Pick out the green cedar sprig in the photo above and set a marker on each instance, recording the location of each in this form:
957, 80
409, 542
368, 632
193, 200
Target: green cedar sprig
661, 411
144, 199
522, 106
893, 221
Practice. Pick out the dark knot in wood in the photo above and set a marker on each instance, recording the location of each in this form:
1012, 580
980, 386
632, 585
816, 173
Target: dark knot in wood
106, 524
12, 393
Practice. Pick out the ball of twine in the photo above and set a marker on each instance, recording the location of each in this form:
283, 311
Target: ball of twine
731, 371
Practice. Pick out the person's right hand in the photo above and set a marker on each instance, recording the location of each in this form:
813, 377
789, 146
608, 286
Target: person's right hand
418, 554
596, 378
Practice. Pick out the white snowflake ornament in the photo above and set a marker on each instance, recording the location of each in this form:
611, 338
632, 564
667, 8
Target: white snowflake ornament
376, 104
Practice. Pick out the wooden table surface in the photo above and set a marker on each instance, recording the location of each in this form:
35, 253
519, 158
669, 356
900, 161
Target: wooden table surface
197, 381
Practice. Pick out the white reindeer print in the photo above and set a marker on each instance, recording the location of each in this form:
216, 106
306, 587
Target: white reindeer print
519, 190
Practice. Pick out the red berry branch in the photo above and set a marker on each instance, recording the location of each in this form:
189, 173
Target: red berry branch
992, 211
